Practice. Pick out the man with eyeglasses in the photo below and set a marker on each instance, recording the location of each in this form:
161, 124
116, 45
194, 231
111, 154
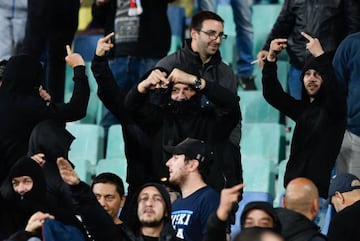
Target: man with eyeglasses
192, 93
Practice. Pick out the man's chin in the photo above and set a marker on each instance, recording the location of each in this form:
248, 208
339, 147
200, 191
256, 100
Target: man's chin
151, 223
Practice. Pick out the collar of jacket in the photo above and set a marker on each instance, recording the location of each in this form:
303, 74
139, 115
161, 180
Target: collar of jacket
195, 56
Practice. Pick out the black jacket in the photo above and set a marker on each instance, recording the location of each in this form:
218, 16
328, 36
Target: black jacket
297, 227
155, 33
21, 107
329, 21
344, 225
320, 125
136, 139
99, 223
173, 121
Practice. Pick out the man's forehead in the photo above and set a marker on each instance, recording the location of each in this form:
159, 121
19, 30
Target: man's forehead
104, 188
150, 190
22, 178
211, 24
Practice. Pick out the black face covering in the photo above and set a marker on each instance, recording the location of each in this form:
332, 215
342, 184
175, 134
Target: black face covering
35, 199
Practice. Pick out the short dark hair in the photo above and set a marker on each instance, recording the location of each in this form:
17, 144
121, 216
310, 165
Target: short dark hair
111, 178
198, 19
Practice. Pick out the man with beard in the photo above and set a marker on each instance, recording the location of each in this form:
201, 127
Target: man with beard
188, 168
320, 115
150, 212
192, 94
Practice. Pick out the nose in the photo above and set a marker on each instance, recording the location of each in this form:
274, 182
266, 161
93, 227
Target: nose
101, 200
21, 188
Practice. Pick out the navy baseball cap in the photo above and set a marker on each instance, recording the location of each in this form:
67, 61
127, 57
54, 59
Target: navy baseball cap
344, 182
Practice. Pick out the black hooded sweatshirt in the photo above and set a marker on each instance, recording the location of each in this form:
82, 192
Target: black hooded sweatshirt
320, 125
21, 107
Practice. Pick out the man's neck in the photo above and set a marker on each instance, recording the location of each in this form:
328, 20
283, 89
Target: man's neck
204, 59
191, 185
152, 231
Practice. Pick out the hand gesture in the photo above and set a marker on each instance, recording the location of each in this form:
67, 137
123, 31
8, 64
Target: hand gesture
104, 44
73, 59
228, 197
276, 46
156, 79
179, 76
39, 158
67, 173
313, 45
44, 94
36, 221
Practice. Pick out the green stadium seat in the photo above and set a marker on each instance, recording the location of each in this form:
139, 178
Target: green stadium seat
263, 18
117, 166
115, 143
265, 141
258, 174
89, 142
254, 108
280, 189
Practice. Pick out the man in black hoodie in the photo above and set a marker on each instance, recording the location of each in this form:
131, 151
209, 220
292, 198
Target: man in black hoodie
150, 213
320, 115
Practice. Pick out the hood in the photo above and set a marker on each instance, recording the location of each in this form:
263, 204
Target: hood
133, 221
294, 224
23, 75
318, 64
51, 138
264, 206
35, 199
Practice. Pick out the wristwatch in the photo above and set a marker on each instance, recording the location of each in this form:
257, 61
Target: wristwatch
197, 84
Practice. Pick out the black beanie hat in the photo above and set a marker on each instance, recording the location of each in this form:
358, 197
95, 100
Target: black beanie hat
264, 206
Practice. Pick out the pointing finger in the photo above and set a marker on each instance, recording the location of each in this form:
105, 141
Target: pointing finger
307, 36
108, 37
68, 50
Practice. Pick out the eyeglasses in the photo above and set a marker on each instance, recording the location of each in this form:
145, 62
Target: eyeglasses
213, 36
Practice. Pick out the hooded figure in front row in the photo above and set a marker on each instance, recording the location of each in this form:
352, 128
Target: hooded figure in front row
28, 196
320, 115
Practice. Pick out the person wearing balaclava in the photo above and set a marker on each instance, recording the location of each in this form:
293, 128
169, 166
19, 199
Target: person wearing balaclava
19, 204
320, 115
21, 106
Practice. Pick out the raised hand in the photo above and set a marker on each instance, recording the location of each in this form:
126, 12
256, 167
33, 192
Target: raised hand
313, 46
104, 44
44, 94
67, 173
228, 197
276, 46
156, 79
73, 59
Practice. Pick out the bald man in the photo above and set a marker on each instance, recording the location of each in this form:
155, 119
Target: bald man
301, 207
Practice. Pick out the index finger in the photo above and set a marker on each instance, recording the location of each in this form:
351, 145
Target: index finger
68, 50
108, 37
307, 36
